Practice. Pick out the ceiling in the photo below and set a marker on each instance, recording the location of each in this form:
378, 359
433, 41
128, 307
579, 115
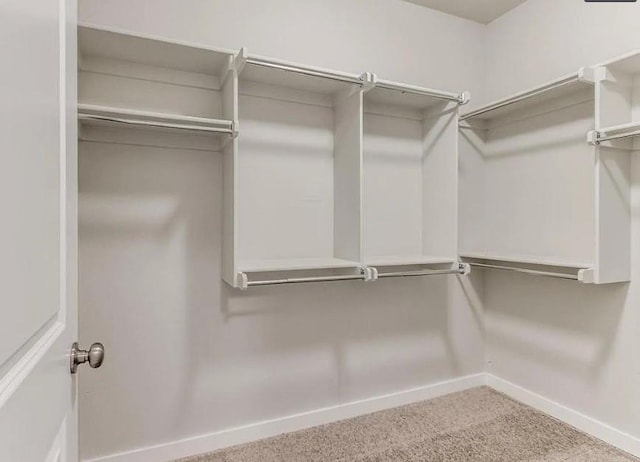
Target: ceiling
483, 11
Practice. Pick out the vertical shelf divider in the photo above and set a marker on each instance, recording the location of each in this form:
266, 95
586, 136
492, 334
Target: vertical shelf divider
348, 175
613, 183
230, 174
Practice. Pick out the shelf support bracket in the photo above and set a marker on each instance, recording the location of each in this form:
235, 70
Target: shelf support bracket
586, 74
240, 60
464, 98
369, 81
370, 274
586, 276
242, 281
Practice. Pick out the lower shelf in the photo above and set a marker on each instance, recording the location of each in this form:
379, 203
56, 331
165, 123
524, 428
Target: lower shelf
406, 260
293, 264
535, 265
303, 270
529, 259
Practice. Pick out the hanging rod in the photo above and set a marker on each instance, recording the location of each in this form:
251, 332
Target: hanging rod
273, 282
154, 119
264, 62
362, 80
460, 98
578, 77
528, 271
596, 137
463, 268
146, 123
366, 274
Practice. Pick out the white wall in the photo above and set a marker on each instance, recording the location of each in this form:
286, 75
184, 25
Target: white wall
185, 354
577, 345
541, 40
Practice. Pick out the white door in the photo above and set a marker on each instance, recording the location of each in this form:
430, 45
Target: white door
38, 312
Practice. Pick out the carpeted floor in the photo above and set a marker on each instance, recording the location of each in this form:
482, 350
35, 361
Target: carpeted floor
474, 425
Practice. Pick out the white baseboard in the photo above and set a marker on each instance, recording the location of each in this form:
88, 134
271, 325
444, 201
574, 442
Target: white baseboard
580, 421
225, 438
260, 430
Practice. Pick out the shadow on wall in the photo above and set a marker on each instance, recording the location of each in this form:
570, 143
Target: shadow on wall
340, 341
535, 323
208, 357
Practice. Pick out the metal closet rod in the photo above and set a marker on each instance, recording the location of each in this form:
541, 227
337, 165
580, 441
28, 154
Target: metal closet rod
550, 274
523, 96
403, 274
273, 282
462, 269
461, 98
306, 71
620, 136
157, 124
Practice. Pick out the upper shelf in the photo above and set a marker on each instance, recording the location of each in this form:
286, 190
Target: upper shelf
102, 115
398, 94
619, 103
112, 44
628, 64
534, 265
294, 76
317, 80
572, 83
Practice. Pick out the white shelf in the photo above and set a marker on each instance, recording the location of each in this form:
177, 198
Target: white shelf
410, 168
294, 77
536, 194
294, 264
143, 81
294, 179
391, 93
621, 128
528, 260
628, 64
550, 91
406, 260
115, 45
103, 115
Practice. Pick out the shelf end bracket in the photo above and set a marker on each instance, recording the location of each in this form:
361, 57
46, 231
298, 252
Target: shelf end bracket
242, 281
240, 60
464, 98
369, 273
593, 137
369, 81
586, 276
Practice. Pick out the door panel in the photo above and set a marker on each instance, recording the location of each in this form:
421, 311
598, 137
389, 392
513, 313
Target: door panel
29, 190
38, 189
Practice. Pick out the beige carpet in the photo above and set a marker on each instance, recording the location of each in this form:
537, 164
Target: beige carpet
474, 425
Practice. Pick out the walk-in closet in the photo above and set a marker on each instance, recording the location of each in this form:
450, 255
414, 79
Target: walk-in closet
320, 231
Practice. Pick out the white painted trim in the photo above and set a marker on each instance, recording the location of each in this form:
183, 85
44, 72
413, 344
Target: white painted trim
268, 428
582, 422
253, 432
